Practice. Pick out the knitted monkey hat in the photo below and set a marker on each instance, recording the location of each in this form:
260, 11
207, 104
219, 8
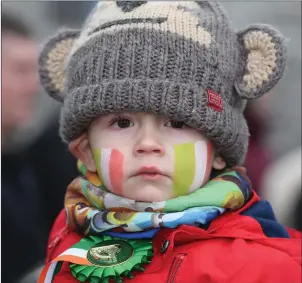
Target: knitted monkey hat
182, 60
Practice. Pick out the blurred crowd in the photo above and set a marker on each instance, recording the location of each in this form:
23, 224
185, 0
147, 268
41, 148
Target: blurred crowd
37, 167
34, 177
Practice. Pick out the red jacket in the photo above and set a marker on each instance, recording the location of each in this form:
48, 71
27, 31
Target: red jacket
243, 246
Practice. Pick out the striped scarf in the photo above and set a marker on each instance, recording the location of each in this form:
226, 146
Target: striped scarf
92, 210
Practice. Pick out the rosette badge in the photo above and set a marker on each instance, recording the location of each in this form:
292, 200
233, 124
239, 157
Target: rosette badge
110, 258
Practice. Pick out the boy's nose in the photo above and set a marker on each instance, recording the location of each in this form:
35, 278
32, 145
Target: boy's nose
148, 145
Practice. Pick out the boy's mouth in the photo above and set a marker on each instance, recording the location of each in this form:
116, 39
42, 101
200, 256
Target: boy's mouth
149, 173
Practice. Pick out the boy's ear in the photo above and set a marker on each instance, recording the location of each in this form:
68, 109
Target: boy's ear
218, 163
81, 150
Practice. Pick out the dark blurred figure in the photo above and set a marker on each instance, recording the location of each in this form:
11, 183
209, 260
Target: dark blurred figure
55, 167
19, 75
258, 157
34, 179
23, 235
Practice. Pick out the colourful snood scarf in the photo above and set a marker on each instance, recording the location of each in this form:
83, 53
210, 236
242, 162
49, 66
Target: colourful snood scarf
94, 211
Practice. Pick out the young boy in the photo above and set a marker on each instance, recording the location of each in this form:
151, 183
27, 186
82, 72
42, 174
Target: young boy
153, 95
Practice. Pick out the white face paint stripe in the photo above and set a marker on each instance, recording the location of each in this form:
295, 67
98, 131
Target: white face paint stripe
105, 162
201, 158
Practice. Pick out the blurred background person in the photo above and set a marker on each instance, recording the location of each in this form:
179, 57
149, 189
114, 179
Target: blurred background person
259, 155
23, 233
19, 75
36, 166
275, 179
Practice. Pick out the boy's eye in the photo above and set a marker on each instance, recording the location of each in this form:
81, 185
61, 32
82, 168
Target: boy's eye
175, 124
123, 123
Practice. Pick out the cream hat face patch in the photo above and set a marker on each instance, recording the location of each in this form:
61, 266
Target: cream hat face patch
174, 17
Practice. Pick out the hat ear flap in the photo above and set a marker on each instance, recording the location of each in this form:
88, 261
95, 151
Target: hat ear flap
264, 57
52, 62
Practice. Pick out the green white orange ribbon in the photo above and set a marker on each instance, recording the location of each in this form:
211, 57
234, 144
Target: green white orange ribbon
84, 269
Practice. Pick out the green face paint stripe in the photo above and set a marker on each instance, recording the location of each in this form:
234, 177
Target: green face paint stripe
97, 157
81, 167
184, 168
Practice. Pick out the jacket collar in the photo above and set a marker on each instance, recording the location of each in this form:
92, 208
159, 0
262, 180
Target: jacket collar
229, 225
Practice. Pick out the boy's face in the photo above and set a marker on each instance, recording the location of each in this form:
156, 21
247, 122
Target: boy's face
145, 157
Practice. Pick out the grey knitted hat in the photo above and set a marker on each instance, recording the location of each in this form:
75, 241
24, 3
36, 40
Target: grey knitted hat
178, 59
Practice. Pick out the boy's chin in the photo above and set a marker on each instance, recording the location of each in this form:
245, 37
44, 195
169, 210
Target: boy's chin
149, 193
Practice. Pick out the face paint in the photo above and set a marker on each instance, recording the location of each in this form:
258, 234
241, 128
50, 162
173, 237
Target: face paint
191, 166
110, 168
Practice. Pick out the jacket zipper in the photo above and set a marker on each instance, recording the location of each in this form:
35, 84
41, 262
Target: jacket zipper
177, 261
63, 232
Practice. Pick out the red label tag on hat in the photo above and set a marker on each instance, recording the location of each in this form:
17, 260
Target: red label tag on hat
214, 100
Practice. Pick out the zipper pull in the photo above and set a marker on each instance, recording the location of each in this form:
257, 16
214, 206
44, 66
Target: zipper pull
63, 232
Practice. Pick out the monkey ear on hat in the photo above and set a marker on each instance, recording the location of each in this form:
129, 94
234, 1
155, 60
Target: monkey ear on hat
264, 59
52, 62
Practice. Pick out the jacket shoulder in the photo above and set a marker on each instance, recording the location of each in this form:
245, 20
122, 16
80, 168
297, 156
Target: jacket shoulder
270, 260
243, 260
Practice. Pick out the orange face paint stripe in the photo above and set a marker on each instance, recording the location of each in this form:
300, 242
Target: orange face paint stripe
116, 171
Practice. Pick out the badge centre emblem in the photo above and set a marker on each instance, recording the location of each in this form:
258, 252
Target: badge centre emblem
109, 253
